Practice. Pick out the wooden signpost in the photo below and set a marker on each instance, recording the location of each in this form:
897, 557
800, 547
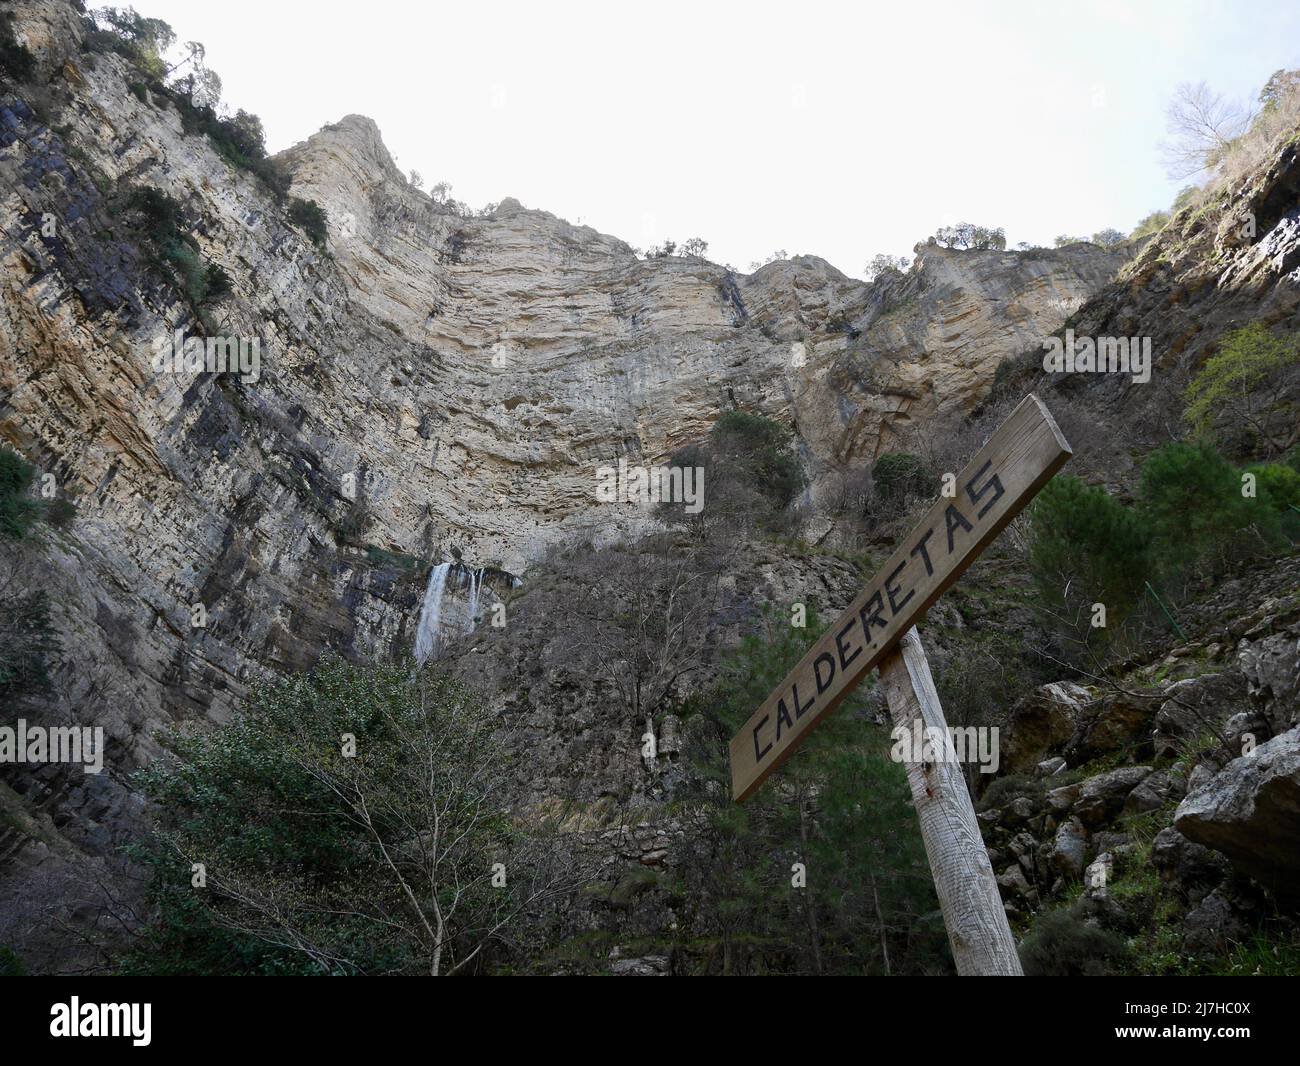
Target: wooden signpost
877, 631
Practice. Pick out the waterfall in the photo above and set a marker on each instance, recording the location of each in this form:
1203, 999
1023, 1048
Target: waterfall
428, 635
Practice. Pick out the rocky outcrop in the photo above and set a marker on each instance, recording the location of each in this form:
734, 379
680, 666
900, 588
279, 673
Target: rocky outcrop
1250, 812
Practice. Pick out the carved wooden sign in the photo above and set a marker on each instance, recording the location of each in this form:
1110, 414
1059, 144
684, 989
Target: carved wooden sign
1004, 476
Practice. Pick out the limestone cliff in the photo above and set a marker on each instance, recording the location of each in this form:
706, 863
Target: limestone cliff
431, 385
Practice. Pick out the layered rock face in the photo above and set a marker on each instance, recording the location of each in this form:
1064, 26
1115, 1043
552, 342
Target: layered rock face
451, 382
432, 386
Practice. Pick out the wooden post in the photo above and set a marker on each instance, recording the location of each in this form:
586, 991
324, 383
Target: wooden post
981, 940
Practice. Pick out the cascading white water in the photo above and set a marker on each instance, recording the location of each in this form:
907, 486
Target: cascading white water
475, 586
428, 635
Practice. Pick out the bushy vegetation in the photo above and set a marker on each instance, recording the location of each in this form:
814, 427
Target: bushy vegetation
1010, 787
1247, 396
1086, 548
969, 235
19, 509
1194, 520
751, 474
196, 93
28, 644
348, 821
311, 218
1062, 944
899, 476
175, 252
1198, 519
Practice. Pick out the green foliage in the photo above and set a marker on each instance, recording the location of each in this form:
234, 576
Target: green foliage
18, 510
321, 861
16, 62
175, 252
10, 964
1277, 487
1153, 223
140, 40
239, 140
1279, 86
1191, 501
1246, 394
28, 644
751, 473
1265, 954
311, 218
900, 475
1108, 238
1061, 944
1086, 548
379, 557
1011, 787
969, 235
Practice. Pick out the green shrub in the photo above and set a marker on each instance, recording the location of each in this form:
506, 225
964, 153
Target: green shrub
1062, 945
10, 964
60, 513
1278, 487
140, 40
310, 217
1191, 501
1011, 787
1247, 394
239, 140
841, 805
1086, 548
18, 510
900, 475
174, 250
751, 473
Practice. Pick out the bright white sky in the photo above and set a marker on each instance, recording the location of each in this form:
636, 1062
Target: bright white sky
835, 129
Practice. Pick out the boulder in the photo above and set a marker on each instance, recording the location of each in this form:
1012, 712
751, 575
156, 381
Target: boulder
1040, 722
1213, 925
1063, 798
1097, 876
1194, 867
1102, 797
1271, 667
1195, 706
1118, 721
1250, 811
647, 966
1070, 849
1153, 793
1050, 767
